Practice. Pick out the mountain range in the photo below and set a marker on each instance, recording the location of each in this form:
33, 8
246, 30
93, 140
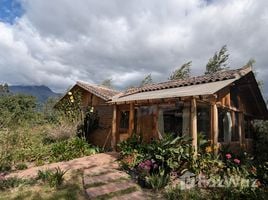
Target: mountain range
42, 92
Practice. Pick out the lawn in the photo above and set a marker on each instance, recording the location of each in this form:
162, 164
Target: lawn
71, 188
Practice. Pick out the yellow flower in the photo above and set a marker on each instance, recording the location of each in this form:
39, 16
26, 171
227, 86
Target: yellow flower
208, 149
70, 93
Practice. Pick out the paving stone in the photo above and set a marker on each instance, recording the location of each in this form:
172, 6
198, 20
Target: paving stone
137, 195
88, 180
109, 188
101, 169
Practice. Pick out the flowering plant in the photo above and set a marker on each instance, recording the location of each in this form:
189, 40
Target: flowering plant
148, 166
228, 156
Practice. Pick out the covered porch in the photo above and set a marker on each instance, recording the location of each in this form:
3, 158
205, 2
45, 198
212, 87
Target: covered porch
221, 107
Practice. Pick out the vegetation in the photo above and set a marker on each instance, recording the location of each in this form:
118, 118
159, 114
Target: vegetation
181, 73
107, 83
70, 188
218, 61
170, 167
54, 178
31, 136
147, 80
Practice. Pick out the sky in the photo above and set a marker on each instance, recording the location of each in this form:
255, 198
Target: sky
56, 43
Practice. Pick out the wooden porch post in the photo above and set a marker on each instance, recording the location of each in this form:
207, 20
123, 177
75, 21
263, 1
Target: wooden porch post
215, 126
131, 119
155, 122
194, 124
241, 129
114, 128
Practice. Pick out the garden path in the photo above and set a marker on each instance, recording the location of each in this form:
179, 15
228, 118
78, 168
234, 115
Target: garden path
75, 164
102, 178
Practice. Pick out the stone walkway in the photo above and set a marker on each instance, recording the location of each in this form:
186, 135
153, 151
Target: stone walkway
107, 182
102, 178
76, 164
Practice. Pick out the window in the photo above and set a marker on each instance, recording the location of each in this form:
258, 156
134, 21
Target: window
203, 120
124, 119
235, 134
234, 98
225, 126
173, 121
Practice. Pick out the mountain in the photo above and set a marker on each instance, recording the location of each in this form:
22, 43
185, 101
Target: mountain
42, 93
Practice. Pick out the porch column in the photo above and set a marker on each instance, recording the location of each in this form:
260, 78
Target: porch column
131, 119
194, 124
155, 122
241, 129
114, 128
215, 126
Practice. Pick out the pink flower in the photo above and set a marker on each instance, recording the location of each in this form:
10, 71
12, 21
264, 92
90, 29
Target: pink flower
147, 168
155, 166
148, 162
237, 161
228, 156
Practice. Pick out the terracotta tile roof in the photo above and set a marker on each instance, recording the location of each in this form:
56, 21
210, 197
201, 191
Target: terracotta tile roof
100, 91
219, 76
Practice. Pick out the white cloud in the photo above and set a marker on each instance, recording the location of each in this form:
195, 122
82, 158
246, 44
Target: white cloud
58, 42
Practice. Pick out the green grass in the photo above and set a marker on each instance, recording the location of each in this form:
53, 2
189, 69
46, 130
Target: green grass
26, 144
116, 194
72, 189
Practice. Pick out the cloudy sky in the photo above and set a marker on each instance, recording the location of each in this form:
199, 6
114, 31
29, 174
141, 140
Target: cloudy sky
58, 42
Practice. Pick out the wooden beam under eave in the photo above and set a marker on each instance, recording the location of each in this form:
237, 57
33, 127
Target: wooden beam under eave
131, 118
194, 124
115, 136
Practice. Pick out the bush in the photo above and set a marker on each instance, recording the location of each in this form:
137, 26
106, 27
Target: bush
17, 109
261, 151
53, 178
5, 166
21, 166
69, 149
172, 154
133, 144
12, 182
158, 180
59, 132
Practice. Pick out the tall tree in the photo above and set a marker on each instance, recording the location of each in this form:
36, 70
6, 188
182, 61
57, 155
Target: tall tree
181, 73
4, 89
251, 63
147, 80
218, 61
107, 83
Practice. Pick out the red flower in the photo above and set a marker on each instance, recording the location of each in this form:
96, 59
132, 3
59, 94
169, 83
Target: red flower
228, 156
237, 161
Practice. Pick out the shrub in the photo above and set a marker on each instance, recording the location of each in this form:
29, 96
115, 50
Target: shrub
158, 180
70, 149
21, 166
170, 153
5, 166
132, 145
60, 132
12, 182
53, 178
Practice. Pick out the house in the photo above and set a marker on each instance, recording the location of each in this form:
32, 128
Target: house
96, 97
220, 106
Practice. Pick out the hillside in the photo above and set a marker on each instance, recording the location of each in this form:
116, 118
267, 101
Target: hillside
42, 93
